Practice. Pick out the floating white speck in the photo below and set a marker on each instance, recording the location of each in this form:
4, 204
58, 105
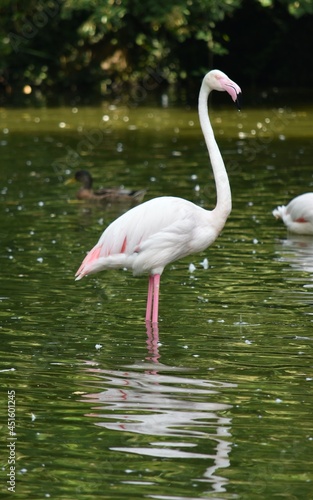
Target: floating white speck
192, 268
98, 346
40, 260
248, 342
202, 299
205, 264
62, 124
277, 400
197, 188
255, 241
105, 118
33, 417
41, 203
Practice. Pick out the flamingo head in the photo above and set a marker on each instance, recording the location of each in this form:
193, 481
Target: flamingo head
217, 80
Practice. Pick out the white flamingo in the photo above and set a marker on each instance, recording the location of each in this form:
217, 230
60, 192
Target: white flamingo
162, 230
298, 214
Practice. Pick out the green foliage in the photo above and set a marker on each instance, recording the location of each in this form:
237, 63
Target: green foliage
72, 44
296, 8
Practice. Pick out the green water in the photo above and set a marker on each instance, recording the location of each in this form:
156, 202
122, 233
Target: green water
217, 404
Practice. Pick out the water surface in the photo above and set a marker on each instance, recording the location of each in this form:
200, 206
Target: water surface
217, 403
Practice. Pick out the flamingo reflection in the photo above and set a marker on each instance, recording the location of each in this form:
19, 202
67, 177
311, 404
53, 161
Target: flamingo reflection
180, 412
297, 251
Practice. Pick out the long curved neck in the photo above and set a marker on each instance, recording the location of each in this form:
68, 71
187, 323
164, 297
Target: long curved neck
223, 194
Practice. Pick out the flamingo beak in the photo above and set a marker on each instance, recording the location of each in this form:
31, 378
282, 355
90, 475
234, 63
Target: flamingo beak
238, 101
233, 89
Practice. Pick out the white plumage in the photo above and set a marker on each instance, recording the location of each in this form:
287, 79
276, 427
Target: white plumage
298, 214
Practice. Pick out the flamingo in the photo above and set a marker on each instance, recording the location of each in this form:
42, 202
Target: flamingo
298, 214
162, 230
103, 195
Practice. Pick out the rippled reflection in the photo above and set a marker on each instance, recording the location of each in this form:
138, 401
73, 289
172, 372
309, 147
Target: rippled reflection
177, 411
297, 251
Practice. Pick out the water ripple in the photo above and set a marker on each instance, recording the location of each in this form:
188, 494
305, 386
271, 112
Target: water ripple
154, 403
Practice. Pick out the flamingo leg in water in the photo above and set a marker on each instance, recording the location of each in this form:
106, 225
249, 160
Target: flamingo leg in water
152, 309
149, 299
152, 344
156, 289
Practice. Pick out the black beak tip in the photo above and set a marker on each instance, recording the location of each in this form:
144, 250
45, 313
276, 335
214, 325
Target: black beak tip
239, 101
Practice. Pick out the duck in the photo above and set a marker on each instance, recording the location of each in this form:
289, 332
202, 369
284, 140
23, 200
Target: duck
298, 214
103, 195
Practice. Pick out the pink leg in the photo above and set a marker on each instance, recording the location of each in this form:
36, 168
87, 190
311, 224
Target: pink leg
156, 288
149, 299
153, 344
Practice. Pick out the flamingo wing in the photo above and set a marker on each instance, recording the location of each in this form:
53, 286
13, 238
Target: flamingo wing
300, 208
149, 236
298, 214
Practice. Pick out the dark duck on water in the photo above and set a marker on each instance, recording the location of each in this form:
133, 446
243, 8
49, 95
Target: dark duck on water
103, 195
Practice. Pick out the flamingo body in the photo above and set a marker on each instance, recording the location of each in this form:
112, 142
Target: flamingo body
152, 235
298, 214
149, 236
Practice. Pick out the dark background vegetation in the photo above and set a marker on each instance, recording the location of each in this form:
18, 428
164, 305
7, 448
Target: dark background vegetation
96, 47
